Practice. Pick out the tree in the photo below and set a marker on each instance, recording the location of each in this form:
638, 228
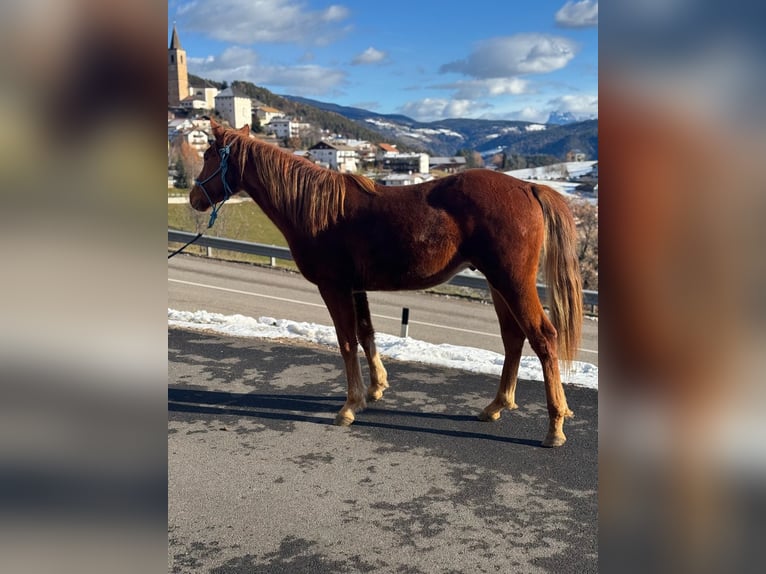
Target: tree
186, 160
293, 143
182, 178
472, 158
586, 218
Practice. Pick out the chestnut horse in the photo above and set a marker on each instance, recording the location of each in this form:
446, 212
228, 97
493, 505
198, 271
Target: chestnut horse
349, 236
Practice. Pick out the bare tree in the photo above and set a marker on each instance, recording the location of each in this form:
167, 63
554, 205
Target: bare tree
586, 217
182, 153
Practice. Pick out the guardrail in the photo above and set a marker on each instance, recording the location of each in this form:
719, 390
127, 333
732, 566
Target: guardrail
275, 252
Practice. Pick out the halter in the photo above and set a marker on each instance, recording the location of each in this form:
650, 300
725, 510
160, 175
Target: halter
223, 167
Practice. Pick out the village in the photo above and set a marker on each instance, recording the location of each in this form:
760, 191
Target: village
192, 100
190, 105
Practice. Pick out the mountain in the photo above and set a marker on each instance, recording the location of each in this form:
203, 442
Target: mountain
561, 118
438, 138
553, 140
349, 112
324, 117
446, 137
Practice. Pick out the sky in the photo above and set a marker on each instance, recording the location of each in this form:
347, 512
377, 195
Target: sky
496, 59
403, 349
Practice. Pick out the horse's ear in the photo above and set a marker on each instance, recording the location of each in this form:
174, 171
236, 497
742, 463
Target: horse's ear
245, 130
216, 128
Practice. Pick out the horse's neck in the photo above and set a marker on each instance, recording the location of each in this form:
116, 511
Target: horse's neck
252, 185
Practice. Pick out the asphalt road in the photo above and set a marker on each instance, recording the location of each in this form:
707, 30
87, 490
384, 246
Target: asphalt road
196, 283
260, 481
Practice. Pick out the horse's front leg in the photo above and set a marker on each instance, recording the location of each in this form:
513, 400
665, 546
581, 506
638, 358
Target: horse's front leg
340, 304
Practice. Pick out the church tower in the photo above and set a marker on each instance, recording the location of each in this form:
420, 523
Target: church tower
178, 76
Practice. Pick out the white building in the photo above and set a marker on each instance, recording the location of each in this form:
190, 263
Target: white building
194, 103
196, 138
405, 162
178, 125
204, 94
266, 114
234, 108
286, 128
393, 179
339, 157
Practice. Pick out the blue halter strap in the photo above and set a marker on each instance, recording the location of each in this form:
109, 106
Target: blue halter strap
223, 167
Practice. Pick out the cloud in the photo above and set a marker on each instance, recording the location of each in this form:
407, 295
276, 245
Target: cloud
473, 89
248, 22
583, 14
531, 114
582, 106
510, 56
369, 56
237, 63
579, 105
430, 109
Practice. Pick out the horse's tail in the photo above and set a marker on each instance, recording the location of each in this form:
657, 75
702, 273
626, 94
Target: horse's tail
562, 270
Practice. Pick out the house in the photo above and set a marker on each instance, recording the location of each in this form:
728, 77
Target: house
339, 157
576, 155
365, 151
447, 164
202, 123
204, 92
384, 150
193, 103
405, 162
195, 137
286, 128
266, 113
404, 179
235, 107
177, 126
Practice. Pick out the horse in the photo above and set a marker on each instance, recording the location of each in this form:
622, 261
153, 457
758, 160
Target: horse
349, 235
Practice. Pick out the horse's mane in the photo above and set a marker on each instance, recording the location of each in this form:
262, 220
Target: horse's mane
308, 196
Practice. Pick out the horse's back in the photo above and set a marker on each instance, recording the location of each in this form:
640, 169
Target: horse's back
487, 201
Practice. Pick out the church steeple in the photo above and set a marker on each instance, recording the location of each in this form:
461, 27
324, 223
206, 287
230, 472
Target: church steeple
175, 43
178, 76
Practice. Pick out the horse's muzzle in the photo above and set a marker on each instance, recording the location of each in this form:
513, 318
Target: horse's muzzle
198, 200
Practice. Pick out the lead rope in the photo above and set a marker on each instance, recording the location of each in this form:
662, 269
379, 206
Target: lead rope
223, 168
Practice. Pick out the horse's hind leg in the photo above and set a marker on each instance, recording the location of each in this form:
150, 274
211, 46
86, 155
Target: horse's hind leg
366, 334
513, 342
526, 308
340, 304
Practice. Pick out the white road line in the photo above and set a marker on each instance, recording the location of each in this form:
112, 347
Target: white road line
284, 299
297, 302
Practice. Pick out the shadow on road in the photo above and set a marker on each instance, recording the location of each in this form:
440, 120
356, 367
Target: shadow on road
304, 408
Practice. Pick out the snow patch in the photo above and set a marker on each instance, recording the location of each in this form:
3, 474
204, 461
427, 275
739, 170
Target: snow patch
403, 349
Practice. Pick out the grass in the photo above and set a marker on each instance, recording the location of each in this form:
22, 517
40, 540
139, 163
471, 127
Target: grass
243, 220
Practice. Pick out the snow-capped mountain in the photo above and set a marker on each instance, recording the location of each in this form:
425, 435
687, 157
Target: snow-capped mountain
446, 137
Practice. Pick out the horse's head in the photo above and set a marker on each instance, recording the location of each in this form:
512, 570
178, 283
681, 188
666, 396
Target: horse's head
215, 182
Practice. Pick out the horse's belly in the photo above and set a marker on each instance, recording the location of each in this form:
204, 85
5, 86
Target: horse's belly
411, 278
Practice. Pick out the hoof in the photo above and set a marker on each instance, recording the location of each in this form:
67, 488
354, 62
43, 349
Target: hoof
554, 440
488, 417
374, 394
344, 419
